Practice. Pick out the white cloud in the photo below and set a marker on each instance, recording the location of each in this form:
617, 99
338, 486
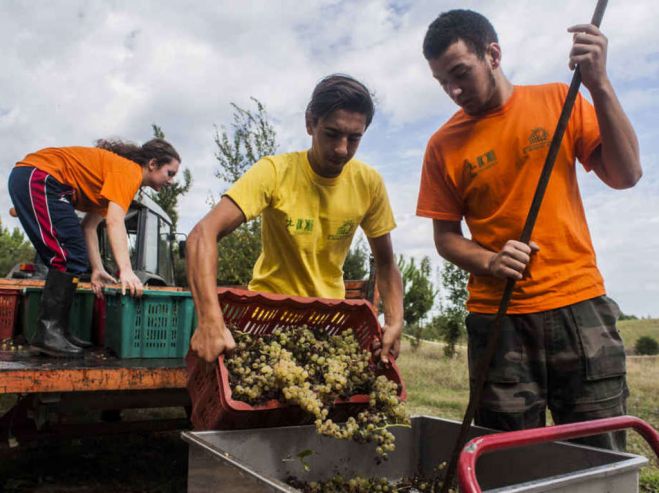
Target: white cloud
74, 71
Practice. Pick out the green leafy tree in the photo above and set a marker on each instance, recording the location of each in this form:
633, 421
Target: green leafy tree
14, 248
449, 325
168, 198
418, 295
250, 137
356, 263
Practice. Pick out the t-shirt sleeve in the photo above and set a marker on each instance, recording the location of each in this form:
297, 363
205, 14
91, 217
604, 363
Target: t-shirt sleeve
379, 219
438, 197
253, 191
121, 183
586, 131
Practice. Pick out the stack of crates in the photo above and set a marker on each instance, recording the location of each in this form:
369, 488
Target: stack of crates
260, 314
157, 325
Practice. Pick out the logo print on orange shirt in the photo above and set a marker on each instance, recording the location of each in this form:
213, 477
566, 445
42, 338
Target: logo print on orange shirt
481, 163
538, 139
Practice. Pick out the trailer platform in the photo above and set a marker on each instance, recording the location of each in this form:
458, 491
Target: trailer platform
75, 398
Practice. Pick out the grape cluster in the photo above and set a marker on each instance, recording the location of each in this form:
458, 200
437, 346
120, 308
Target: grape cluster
339, 484
312, 368
357, 484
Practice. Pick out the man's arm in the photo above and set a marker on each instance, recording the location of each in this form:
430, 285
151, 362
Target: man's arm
99, 275
390, 286
119, 245
617, 160
509, 262
211, 337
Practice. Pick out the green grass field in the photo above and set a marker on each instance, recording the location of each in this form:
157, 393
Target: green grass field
631, 330
438, 386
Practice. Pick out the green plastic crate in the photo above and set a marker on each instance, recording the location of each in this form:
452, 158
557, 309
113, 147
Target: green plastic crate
80, 316
157, 325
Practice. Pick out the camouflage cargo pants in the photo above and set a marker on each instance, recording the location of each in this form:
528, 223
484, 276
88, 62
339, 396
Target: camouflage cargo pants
570, 360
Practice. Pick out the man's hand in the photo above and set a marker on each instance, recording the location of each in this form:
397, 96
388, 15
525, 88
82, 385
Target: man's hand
129, 280
589, 52
211, 339
389, 345
390, 342
100, 278
511, 261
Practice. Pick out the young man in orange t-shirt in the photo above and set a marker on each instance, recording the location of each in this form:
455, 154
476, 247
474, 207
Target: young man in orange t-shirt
559, 346
46, 188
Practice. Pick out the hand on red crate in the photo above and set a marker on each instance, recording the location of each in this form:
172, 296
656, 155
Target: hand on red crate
210, 339
390, 345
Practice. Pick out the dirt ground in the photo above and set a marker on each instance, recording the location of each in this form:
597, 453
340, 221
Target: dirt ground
127, 463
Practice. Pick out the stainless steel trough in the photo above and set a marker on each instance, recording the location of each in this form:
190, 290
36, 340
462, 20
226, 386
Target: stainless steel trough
255, 461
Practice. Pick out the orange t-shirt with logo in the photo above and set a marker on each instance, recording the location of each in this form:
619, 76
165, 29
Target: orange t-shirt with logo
485, 169
98, 176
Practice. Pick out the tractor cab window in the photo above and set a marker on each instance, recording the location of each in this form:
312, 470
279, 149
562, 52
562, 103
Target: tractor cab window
132, 223
165, 265
149, 246
157, 253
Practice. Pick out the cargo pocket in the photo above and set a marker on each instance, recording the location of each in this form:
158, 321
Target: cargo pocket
602, 346
506, 363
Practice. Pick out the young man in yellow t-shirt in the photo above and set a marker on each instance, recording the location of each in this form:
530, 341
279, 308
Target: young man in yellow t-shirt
311, 203
559, 347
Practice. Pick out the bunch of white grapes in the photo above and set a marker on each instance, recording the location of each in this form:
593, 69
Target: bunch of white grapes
312, 369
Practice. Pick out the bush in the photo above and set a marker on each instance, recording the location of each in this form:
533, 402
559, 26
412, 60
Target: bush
416, 331
647, 345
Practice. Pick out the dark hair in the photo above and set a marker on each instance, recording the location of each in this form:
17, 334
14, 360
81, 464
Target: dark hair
159, 149
469, 26
340, 92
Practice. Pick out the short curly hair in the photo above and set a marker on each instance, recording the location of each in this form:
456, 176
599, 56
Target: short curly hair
469, 26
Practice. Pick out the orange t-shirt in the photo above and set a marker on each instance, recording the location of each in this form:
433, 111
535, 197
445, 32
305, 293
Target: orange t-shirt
486, 170
97, 176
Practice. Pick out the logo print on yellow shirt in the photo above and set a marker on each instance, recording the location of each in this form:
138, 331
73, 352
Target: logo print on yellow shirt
481, 163
343, 231
300, 226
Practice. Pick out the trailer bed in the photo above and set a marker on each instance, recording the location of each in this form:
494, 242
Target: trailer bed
89, 396
24, 372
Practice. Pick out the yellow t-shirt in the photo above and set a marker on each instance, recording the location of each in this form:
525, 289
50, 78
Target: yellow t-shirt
308, 221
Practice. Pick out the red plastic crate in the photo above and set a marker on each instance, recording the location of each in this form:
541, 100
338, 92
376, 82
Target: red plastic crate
261, 313
8, 311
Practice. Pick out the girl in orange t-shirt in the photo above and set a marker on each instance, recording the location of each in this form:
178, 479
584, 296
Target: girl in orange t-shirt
48, 186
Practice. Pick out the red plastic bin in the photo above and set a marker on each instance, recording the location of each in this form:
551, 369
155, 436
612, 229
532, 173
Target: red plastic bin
8, 311
261, 313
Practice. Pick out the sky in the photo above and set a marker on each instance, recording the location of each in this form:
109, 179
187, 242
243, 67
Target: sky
74, 71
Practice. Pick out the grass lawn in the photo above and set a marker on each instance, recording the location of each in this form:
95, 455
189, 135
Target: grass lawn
631, 330
438, 386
